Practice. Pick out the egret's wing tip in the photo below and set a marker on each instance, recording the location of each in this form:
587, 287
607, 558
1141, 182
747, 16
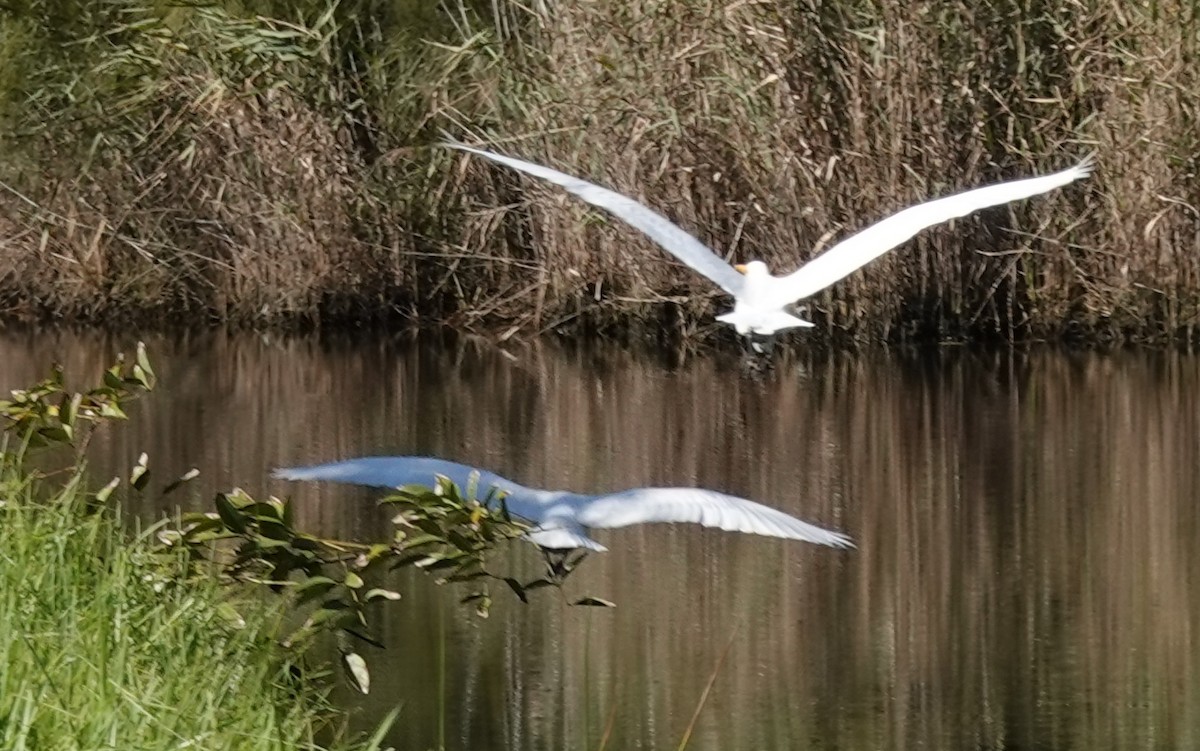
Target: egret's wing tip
837, 540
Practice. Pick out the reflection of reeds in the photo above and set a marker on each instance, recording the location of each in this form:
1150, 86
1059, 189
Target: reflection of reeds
1024, 520
211, 162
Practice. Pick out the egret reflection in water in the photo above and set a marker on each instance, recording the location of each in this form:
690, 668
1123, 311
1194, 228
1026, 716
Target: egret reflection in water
562, 518
764, 303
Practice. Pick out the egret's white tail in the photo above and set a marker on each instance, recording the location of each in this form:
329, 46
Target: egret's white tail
762, 322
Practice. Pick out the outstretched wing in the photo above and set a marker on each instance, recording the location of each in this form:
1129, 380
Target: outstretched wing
396, 472
705, 507
655, 226
858, 250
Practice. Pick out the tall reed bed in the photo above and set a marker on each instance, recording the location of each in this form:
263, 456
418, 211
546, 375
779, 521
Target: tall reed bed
266, 162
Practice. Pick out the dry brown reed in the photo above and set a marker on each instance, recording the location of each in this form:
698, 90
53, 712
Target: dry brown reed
299, 183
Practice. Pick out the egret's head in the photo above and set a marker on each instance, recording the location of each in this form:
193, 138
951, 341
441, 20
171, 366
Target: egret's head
753, 269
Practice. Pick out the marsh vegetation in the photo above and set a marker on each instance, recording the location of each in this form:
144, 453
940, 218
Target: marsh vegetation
261, 162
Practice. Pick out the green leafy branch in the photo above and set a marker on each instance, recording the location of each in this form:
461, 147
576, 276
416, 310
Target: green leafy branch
438, 530
48, 414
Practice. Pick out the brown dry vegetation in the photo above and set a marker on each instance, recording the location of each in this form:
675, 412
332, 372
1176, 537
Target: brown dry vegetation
216, 165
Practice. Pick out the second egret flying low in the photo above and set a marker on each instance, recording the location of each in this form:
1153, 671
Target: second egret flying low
561, 518
762, 301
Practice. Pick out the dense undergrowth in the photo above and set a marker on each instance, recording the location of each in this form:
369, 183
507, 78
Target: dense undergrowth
108, 639
264, 162
102, 651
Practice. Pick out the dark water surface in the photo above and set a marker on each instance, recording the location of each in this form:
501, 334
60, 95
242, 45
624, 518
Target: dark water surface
1027, 527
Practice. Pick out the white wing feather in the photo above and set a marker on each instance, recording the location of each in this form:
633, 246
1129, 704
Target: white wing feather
704, 507
396, 472
563, 517
858, 250
655, 226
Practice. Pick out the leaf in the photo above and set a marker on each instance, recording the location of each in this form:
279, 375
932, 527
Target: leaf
468, 576
482, 600
278, 506
484, 607
353, 580
279, 574
594, 602
312, 588
414, 491
103, 493
516, 587
332, 617
111, 409
376, 555
460, 541
265, 510
306, 542
141, 473
408, 560
381, 594
143, 362
420, 540
112, 378
191, 474
472, 484
169, 537
439, 564
270, 544
431, 527
274, 531
356, 670
230, 515
193, 526
364, 638
56, 434
140, 377
69, 409
231, 616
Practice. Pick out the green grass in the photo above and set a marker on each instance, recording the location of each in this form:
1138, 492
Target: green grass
104, 645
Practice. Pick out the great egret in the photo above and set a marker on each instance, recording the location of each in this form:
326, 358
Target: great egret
762, 301
562, 518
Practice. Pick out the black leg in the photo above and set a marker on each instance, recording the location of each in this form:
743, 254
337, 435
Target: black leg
764, 344
758, 354
559, 563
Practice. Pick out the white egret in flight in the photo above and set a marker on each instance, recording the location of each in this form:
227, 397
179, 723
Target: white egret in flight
561, 518
762, 301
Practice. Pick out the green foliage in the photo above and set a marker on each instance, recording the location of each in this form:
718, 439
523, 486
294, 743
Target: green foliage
108, 641
47, 413
125, 59
443, 531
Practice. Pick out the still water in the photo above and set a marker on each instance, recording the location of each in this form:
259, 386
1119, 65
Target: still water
1026, 523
